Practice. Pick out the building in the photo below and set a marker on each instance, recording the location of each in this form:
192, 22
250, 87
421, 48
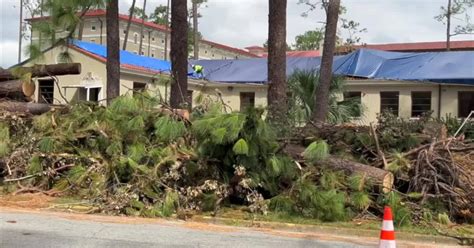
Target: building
435, 46
137, 73
153, 45
442, 83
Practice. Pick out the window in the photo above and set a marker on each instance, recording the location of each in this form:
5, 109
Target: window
135, 52
420, 103
142, 53
465, 103
189, 98
135, 38
247, 100
46, 91
93, 40
124, 31
162, 41
355, 96
93, 28
152, 38
205, 52
212, 55
152, 55
389, 101
94, 94
138, 87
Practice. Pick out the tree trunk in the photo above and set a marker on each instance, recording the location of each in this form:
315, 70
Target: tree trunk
322, 92
379, 177
11, 89
44, 71
179, 53
130, 16
195, 30
81, 30
140, 49
448, 27
113, 51
24, 107
277, 86
167, 30
20, 31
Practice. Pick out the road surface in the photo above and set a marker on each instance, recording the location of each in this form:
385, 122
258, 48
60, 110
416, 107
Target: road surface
44, 229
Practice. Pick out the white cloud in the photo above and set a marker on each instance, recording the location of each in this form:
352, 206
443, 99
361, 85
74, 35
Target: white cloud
241, 23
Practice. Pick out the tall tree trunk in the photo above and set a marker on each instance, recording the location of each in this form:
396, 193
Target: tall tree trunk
448, 27
167, 29
179, 53
101, 30
113, 50
195, 30
277, 86
81, 30
322, 92
130, 16
20, 31
141, 28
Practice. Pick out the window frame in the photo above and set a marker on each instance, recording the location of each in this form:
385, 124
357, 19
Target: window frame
396, 111
244, 94
413, 115
461, 106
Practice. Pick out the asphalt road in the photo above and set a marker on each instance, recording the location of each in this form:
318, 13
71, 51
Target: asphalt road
23, 229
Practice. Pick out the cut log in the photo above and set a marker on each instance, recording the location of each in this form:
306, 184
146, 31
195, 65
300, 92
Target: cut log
381, 178
24, 107
11, 89
43, 71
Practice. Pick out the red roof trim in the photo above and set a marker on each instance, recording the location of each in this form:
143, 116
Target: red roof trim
100, 12
436, 45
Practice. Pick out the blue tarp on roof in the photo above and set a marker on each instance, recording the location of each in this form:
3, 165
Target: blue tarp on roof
126, 57
441, 67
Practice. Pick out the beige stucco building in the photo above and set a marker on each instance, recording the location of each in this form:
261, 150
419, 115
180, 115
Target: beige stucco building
90, 85
154, 38
405, 99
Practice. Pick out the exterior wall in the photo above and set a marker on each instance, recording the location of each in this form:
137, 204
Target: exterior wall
150, 47
371, 97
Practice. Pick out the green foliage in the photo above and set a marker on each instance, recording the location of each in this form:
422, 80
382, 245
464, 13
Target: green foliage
401, 213
4, 140
316, 151
302, 86
47, 145
35, 165
283, 204
360, 200
170, 203
241, 147
310, 40
453, 124
168, 129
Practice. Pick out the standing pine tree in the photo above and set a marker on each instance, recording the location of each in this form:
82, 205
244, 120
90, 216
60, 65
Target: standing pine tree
320, 109
142, 25
113, 50
277, 87
179, 53
129, 22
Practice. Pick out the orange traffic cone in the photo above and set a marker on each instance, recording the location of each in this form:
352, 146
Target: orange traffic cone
387, 236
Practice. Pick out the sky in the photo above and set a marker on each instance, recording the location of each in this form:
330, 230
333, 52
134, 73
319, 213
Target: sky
242, 23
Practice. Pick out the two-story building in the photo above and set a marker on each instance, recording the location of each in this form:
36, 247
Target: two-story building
93, 29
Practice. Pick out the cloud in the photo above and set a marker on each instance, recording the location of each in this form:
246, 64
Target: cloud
241, 23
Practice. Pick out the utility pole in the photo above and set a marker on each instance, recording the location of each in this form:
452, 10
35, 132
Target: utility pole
20, 31
195, 29
167, 29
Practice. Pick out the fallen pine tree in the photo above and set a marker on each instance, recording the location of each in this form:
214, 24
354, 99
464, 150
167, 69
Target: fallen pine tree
136, 159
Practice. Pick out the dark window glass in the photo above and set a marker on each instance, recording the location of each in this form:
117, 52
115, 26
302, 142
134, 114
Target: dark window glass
46, 91
389, 101
94, 94
420, 103
138, 87
466, 103
354, 96
247, 100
